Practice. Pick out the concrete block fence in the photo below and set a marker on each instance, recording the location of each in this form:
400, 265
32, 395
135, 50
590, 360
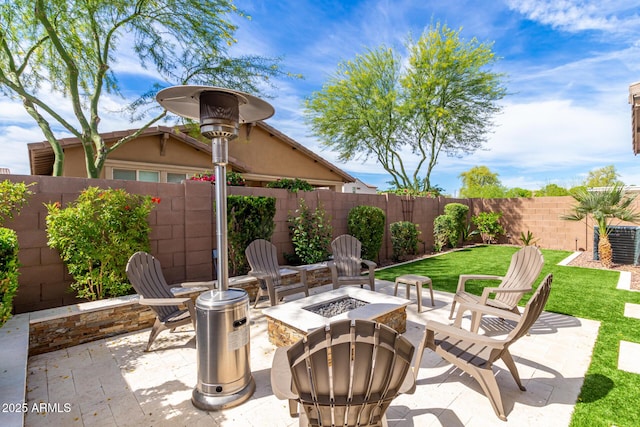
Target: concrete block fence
183, 227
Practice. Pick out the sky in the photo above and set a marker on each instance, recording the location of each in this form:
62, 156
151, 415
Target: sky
568, 65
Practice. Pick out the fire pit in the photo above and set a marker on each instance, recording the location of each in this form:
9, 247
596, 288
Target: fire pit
289, 322
336, 307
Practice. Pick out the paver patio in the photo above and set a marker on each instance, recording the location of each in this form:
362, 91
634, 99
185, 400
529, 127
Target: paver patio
112, 382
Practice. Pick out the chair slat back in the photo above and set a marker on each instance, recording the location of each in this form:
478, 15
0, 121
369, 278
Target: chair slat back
263, 258
526, 265
145, 275
347, 254
349, 372
532, 310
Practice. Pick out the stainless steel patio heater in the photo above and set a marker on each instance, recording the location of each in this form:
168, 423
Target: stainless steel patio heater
222, 325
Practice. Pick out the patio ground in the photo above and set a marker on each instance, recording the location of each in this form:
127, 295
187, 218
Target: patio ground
113, 382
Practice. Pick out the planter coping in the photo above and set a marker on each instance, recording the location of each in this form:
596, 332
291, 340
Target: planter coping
14, 336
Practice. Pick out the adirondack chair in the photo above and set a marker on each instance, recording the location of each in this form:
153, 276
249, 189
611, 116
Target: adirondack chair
145, 275
345, 374
263, 260
474, 353
347, 263
524, 269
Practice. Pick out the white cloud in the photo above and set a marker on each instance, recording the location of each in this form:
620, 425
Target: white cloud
581, 15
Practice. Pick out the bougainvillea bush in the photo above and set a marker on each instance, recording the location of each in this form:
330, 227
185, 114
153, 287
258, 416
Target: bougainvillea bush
96, 235
233, 178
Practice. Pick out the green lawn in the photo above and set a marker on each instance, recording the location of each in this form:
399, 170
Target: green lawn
609, 396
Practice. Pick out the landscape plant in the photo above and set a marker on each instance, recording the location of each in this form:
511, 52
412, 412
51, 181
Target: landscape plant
13, 196
248, 218
293, 185
442, 227
603, 205
234, 179
458, 213
528, 239
488, 224
96, 235
404, 239
367, 224
310, 233
8, 272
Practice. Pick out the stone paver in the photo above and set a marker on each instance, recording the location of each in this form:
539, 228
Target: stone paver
114, 382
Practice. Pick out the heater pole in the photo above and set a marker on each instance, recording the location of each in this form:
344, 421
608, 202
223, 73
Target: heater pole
220, 158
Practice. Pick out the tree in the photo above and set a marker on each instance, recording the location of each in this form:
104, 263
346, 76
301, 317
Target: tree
57, 56
603, 177
442, 101
480, 182
603, 206
550, 190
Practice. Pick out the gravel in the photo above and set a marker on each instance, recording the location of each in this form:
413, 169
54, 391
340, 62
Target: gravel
334, 308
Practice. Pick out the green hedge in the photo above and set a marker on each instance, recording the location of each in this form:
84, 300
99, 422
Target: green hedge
8, 272
248, 218
404, 239
96, 235
310, 234
366, 223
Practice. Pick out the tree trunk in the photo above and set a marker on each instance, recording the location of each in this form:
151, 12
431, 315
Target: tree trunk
605, 253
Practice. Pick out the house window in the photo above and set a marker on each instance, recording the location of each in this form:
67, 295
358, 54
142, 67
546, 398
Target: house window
176, 177
129, 175
149, 176
136, 175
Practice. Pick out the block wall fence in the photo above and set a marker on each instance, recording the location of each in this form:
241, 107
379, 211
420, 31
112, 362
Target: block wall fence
183, 227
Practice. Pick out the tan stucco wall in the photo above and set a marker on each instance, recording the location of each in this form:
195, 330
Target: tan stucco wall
268, 155
264, 155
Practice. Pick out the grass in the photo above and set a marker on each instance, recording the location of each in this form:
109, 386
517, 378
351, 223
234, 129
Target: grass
609, 396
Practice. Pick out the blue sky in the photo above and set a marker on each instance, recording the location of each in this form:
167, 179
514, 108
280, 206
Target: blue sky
568, 63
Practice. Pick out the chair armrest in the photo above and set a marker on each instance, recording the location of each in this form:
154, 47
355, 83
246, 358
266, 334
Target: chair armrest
453, 331
462, 279
409, 384
488, 291
302, 271
281, 375
163, 301
370, 265
478, 310
208, 284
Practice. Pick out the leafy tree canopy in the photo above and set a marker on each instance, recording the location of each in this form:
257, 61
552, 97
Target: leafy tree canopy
404, 114
551, 190
480, 182
58, 57
603, 177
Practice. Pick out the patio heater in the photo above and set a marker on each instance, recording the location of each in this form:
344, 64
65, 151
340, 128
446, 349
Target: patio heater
222, 326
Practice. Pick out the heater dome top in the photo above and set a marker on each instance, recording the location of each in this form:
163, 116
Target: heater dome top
184, 101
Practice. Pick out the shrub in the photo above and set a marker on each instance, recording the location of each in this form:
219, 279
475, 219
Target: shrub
291, 185
404, 239
8, 272
310, 234
488, 225
248, 218
442, 228
96, 235
13, 196
234, 179
458, 213
366, 223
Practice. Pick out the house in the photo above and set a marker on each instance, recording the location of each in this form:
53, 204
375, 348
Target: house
359, 187
261, 153
634, 100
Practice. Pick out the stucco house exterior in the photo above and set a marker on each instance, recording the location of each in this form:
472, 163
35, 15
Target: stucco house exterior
261, 153
634, 100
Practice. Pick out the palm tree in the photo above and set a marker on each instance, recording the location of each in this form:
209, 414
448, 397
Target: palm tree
603, 205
